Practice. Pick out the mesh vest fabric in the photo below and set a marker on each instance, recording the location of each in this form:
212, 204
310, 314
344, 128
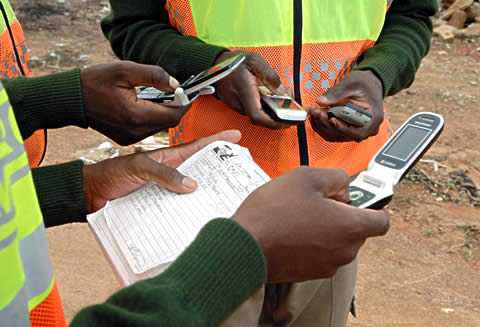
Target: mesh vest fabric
326, 58
35, 145
29, 293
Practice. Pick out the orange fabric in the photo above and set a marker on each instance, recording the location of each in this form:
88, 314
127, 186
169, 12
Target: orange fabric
181, 16
277, 151
49, 313
35, 145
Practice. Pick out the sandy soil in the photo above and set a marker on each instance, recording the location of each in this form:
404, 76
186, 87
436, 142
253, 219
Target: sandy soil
425, 272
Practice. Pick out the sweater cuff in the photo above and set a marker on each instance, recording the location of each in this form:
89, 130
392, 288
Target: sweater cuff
384, 66
50, 101
60, 193
223, 259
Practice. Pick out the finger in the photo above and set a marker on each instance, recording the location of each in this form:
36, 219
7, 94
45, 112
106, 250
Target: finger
336, 95
174, 156
148, 75
375, 222
168, 177
331, 183
257, 64
250, 98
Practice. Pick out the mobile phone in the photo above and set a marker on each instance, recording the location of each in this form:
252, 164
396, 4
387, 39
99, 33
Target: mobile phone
350, 114
194, 85
373, 188
281, 107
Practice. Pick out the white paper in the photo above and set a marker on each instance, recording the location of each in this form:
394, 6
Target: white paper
152, 226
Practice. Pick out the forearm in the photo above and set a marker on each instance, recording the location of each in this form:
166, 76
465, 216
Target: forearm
221, 268
60, 193
404, 41
50, 101
140, 31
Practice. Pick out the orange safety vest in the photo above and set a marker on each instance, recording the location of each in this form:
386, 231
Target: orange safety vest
14, 62
312, 45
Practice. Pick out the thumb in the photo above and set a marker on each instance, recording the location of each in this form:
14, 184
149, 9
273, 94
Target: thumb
335, 95
168, 177
149, 75
375, 222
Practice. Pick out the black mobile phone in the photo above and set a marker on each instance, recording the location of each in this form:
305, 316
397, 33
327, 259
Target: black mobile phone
192, 86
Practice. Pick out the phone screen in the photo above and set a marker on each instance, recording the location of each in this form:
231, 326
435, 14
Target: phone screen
212, 71
285, 103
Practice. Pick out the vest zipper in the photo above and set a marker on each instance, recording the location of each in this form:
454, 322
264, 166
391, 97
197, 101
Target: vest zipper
5, 17
297, 58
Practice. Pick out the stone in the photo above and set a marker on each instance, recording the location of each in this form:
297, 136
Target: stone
84, 59
457, 5
445, 32
473, 30
458, 19
52, 58
473, 11
36, 62
437, 22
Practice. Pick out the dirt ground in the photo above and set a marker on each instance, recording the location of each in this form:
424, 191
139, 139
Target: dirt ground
425, 272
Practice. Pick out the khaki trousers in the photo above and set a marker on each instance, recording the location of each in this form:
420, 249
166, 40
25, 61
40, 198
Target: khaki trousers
322, 303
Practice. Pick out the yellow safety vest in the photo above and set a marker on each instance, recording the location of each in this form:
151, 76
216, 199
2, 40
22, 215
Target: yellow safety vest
28, 294
312, 44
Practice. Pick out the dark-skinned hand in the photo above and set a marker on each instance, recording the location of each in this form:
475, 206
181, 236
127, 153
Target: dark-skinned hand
112, 107
239, 90
362, 88
312, 231
113, 178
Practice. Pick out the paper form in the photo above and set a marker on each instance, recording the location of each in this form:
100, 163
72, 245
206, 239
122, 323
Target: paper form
152, 225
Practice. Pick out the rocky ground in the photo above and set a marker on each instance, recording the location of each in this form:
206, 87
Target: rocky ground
425, 272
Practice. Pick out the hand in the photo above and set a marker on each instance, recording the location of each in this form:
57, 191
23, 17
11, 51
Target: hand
304, 229
239, 90
113, 178
361, 88
112, 107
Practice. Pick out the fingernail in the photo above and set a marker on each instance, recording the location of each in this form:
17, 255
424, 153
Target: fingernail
188, 182
173, 83
322, 99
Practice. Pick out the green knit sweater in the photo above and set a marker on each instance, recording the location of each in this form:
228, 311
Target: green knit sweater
140, 30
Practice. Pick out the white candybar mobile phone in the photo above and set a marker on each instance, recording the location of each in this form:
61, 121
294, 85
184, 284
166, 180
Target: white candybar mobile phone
196, 85
373, 188
281, 107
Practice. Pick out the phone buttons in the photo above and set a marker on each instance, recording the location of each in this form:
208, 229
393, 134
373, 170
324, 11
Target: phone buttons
355, 195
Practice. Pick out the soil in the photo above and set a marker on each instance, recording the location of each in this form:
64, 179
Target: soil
424, 272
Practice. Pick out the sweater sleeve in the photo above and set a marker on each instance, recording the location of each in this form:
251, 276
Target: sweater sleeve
140, 31
403, 42
50, 101
60, 193
219, 271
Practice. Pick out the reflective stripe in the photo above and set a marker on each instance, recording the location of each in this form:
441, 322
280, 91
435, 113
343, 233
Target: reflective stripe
36, 266
16, 312
15, 150
8, 240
